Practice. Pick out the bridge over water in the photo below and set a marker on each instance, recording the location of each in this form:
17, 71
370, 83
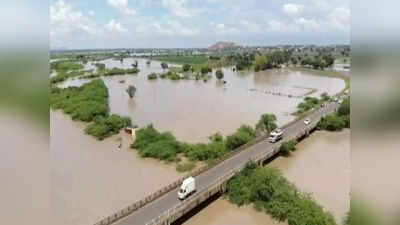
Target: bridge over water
163, 207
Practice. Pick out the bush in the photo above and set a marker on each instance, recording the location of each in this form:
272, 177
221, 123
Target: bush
164, 65
152, 76
205, 70
186, 67
269, 190
131, 90
82, 103
103, 127
219, 74
243, 135
288, 146
332, 123
151, 143
344, 108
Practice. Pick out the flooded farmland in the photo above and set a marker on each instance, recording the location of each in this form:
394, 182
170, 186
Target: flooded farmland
92, 179
193, 110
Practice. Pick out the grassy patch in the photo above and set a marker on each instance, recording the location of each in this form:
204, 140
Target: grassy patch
185, 166
269, 191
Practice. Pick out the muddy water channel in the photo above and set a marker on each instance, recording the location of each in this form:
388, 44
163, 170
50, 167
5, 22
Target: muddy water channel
320, 166
92, 179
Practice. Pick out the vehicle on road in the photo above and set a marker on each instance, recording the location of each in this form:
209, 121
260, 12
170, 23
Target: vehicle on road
335, 99
188, 187
275, 135
307, 121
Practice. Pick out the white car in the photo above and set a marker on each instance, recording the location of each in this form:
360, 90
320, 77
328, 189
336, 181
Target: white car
307, 121
275, 135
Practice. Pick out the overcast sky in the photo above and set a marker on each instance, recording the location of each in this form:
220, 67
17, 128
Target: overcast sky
76, 24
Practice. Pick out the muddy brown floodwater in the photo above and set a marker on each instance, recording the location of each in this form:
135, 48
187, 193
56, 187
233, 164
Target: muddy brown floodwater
320, 166
92, 179
193, 110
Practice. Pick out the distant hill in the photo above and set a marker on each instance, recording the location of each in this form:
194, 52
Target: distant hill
222, 45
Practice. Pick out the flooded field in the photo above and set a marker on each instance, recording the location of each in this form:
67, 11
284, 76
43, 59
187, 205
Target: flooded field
92, 179
193, 110
320, 166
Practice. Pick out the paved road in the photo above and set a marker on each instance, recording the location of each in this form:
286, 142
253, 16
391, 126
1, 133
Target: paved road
170, 199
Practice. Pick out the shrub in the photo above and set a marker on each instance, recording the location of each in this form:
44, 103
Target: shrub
103, 127
152, 76
164, 65
332, 123
288, 146
82, 103
186, 67
243, 135
131, 90
219, 74
205, 70
269, 190
344, 108
151, 143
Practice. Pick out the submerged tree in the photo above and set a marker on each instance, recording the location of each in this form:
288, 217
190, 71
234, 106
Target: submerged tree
219, 74
131, 91
164, 65
267, 123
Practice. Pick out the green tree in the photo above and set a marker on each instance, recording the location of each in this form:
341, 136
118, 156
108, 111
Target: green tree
344, 108
186, 67
288, 146
325, 96
164, 65
131, 90
219, 74
267, 123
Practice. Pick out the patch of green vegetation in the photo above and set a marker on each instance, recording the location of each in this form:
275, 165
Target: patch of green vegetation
183, 59
64, 75
82, 103
65, 65
152, 76
243, 135
307, 104
269, 191
89, 103
164, 146
287, 147
337, 121
185, 166
160, 145
118, 71
103, 127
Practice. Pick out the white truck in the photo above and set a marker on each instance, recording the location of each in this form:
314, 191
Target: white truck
188, 187
275, 135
